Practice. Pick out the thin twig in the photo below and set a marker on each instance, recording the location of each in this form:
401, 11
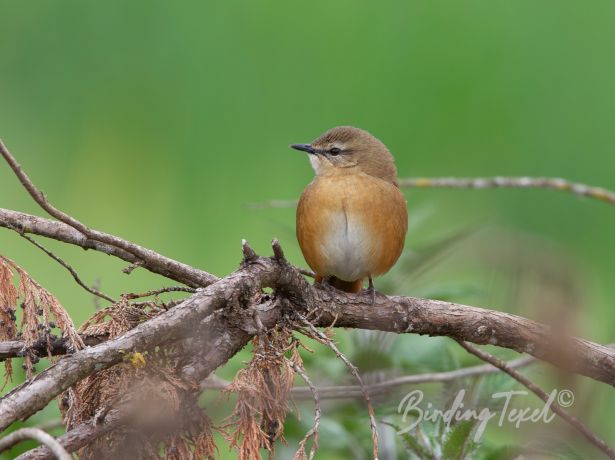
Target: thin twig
313, 432
572, 420
70, 269
354, 371
306, 272
552, 183
214, 382
156, 292
38, 435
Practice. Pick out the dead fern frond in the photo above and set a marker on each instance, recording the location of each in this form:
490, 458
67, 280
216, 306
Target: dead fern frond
41, 312
263, 390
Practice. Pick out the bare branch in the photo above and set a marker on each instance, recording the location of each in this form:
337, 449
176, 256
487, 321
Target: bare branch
156, 292
277, 250
38, 435
35, 394
555, 407
228, 333
150, 260
354, 391
552, 183
57, 346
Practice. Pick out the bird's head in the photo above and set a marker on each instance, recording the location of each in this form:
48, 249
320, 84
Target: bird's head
347, 150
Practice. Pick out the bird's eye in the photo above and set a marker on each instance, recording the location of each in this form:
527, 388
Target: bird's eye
335, 151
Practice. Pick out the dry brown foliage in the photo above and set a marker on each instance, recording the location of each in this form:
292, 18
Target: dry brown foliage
263, 390
41, 313
163, 407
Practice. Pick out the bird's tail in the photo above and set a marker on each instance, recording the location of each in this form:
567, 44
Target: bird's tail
346, 286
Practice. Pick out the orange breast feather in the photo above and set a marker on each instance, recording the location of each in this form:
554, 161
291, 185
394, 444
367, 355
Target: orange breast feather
351, 226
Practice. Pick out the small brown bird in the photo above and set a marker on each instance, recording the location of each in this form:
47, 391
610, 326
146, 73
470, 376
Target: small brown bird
352, 218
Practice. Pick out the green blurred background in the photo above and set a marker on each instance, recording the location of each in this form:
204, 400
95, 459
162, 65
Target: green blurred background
163, 121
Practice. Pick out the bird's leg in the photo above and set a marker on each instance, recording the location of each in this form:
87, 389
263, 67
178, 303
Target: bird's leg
371, 290
325, 284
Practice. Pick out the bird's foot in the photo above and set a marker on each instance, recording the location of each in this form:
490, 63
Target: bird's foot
371, 290
325, 285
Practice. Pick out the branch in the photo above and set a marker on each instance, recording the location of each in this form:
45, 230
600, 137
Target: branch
150, 260
556, 408
552, 183
220, 341
157, 292
38, 435
57, 346
230, 330
385, 387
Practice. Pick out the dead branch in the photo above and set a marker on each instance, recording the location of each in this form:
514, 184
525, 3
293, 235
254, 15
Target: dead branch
394, 314
156, 292
150, 260
57, 346
38, 435
354, 391
476, 183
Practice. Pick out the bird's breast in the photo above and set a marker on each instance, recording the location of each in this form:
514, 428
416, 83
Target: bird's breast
347, 245
351, 227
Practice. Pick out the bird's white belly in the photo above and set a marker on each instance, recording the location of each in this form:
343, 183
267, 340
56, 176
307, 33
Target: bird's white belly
348, 247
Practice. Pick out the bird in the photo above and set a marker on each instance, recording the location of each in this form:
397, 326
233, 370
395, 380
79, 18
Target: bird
352, 219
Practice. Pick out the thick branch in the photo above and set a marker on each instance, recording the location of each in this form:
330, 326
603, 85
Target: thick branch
148, 259
394, 314
477, 325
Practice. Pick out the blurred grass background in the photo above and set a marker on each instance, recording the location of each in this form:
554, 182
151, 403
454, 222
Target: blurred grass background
161, 121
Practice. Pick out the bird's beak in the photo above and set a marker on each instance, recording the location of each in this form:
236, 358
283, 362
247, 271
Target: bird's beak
304, 148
